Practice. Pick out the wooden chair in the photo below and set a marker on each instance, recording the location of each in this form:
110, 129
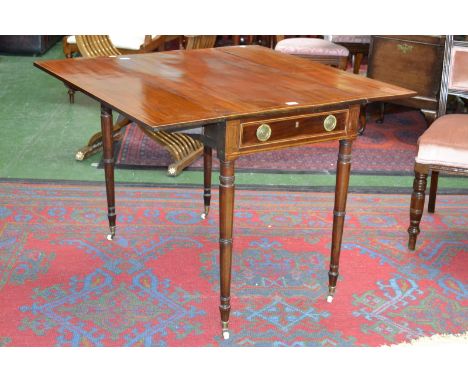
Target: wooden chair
126, 44
358, 46
444, 145
107, 45
199, 42
184, 149
315, 49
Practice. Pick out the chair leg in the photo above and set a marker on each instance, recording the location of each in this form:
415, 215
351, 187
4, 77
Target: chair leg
343, 63
433, 191
71, 95
357, 62
68, 51
95, 142
71, 91
381, 112
416, 207
362, 119
183, 149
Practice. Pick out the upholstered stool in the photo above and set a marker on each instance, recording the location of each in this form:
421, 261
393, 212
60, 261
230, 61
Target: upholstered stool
316, 49
442, 147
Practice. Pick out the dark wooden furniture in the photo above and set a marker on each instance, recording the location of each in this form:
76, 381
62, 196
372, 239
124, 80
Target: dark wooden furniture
29, 44
248, 99
414, 62
358, 46
444, 146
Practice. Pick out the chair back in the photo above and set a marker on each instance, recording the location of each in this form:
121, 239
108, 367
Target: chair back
200, 42
454, 72
96, 46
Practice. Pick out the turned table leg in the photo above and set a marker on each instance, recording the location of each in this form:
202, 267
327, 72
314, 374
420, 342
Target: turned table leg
417, 207
106, 128
207, 166
339, 212
226, 206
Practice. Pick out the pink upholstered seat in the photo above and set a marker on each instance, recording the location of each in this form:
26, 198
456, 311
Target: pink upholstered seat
311, 47
445, 142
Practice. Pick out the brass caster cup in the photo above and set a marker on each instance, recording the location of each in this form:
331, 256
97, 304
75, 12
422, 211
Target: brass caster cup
111, 236
331, 294
204, 215
225, 330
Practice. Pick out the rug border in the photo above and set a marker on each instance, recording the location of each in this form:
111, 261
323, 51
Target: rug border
265, 187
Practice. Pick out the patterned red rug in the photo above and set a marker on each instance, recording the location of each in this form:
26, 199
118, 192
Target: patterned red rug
63, 284
384, 148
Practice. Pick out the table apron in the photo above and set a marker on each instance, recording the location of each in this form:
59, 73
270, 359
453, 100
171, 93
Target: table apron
247, 135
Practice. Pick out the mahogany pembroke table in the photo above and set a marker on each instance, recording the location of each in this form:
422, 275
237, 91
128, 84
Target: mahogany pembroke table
247, 99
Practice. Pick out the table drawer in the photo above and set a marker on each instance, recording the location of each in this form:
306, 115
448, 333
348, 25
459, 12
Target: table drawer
299, 127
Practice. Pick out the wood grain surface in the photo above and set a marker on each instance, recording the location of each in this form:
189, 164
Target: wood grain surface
186, 88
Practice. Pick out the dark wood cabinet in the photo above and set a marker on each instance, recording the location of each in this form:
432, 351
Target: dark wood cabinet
414, 62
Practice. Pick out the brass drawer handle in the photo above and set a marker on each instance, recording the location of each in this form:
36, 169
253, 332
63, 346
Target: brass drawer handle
263, 132
329, 123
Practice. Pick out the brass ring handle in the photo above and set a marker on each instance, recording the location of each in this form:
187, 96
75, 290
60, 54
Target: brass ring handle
329, 123
263, 132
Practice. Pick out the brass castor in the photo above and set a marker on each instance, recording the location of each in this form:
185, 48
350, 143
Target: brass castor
204, 215
111, 236
225, 330
331, 293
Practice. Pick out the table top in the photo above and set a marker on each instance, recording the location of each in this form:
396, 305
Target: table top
195, 87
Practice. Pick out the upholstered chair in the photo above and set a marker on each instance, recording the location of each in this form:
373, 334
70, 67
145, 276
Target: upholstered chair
444, 145
315, 49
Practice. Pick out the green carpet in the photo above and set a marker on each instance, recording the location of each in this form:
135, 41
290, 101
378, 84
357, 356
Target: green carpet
41, 132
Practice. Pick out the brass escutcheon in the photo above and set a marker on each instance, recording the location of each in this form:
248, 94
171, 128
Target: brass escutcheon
263, 132
329, 123
405, 48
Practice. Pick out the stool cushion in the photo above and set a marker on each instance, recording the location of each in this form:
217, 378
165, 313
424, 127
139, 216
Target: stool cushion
445, 142
311, 47
349, 38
